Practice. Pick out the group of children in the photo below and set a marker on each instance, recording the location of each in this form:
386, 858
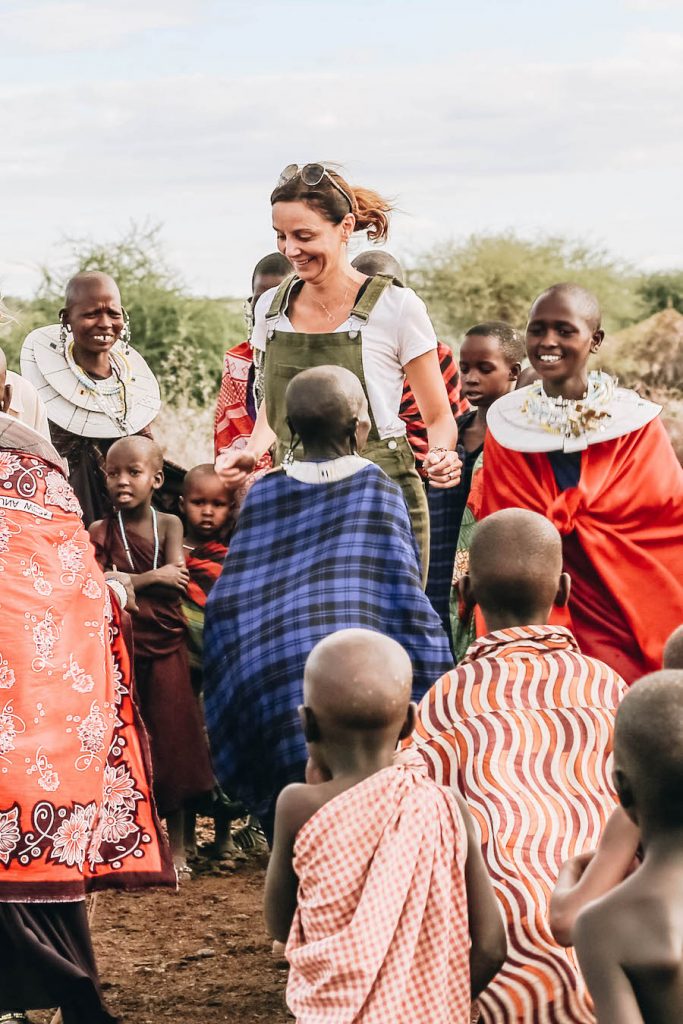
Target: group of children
377, 881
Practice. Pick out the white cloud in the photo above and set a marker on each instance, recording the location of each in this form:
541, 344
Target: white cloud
53, 25
585, 148
654, 5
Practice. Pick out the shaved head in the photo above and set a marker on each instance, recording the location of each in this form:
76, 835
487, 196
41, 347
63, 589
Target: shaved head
137, 446
648, 746
198, 474
673, 650
272, 265
324, 402
515, 564
373, 262
356, 679
88, 280
580, 299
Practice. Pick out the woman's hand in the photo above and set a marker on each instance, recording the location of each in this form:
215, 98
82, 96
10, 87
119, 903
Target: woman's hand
235, 467
126, 582
443, 468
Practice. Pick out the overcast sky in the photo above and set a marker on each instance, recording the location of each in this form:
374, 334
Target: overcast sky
534, 115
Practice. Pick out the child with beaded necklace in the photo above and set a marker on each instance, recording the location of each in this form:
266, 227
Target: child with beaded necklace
148, 545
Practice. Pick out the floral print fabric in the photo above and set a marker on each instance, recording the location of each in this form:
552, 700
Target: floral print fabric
75, 804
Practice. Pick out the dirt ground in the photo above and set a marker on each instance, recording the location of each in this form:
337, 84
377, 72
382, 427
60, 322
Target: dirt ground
197, 956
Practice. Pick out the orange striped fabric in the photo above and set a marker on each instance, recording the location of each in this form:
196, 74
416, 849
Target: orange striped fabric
523, 727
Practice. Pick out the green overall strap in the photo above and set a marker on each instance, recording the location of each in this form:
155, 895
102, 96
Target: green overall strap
280, 302
368, 300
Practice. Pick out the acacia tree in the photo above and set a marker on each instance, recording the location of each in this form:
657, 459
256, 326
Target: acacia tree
662, 291
181, 336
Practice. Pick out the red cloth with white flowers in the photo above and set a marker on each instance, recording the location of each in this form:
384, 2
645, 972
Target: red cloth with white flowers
76, 813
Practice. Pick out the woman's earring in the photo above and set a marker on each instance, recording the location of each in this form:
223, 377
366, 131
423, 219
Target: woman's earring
124, 337
63, 336
293, 445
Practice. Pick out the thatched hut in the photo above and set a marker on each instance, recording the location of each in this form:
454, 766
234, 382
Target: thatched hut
649, 353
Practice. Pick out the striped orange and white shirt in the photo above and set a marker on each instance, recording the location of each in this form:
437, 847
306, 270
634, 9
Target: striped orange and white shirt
523, 727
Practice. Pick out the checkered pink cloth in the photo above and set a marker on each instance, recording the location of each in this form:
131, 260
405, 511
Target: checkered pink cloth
380, 934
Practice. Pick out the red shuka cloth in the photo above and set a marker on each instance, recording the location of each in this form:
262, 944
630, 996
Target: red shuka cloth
76, 813
624, 520
204, 564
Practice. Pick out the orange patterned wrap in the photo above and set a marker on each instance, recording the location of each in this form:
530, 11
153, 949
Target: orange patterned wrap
76, 813
523, 728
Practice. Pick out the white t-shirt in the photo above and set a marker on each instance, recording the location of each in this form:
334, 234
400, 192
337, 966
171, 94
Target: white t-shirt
398, 330
26, 404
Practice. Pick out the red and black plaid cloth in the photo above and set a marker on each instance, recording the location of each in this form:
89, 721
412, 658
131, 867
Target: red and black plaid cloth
204, 564
410, 414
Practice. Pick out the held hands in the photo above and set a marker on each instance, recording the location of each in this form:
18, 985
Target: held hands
443, 468
173, 575
234, 467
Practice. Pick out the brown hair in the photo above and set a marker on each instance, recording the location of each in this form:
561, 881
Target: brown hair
369, 208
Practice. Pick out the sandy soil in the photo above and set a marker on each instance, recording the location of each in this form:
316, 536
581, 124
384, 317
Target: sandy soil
198, 956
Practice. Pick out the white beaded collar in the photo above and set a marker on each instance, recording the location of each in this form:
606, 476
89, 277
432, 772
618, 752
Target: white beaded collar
519, 421
80, 408
326, 472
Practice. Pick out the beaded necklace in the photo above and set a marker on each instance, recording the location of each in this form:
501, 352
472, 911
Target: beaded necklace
124, 538
571, 417
103, 390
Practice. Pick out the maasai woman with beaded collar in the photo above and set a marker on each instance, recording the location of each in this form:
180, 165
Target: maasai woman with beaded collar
95, 387
596, 460
328, 313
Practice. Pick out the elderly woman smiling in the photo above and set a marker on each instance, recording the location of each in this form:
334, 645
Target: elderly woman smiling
327, 312
95, 387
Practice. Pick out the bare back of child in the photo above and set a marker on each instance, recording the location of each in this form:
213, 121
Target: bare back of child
630, 942
357, 687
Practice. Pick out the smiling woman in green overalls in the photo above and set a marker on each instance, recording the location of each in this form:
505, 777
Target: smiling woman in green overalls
329, 313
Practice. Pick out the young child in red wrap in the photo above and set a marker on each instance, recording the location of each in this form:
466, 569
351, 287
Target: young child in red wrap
147, 544
208, 511
596, 461
375, 868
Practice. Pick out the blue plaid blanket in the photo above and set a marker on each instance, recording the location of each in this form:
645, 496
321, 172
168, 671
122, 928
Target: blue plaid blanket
305, 560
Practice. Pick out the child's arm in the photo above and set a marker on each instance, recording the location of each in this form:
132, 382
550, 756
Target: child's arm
487, 931
596, 939
588, 876
173, 573
295, 805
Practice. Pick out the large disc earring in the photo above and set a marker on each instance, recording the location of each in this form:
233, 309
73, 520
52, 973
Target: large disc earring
124, 337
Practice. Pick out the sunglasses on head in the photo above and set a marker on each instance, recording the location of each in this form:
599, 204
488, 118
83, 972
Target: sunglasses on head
312, 174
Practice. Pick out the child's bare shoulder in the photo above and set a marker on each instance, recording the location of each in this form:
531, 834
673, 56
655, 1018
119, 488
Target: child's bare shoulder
636, 922
168, 519
96, 529
299, 801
